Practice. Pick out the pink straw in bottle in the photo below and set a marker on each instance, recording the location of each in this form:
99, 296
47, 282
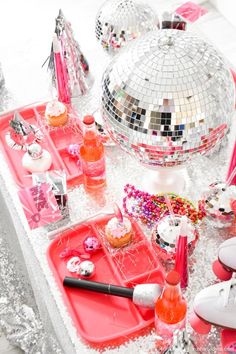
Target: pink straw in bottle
181, 258
171, 211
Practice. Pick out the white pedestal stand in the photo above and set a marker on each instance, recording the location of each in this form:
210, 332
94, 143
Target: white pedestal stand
165, 180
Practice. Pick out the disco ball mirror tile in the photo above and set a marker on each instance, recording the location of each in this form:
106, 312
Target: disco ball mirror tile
119, 21
167, 97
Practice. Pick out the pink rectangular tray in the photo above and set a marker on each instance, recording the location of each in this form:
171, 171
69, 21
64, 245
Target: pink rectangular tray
102, 319
55, 141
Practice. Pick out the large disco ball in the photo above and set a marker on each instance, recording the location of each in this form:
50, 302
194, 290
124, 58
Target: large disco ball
167, 97
119, 21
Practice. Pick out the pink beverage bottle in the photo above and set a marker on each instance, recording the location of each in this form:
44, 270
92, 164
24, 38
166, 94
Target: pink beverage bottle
170, 310
92, 156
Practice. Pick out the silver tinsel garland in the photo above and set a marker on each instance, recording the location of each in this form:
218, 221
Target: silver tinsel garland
19, 321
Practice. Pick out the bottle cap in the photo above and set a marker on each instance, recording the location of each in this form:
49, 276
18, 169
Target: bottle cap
88, 120
173, 278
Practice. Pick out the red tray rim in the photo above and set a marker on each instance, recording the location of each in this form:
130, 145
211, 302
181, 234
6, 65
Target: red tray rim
134, 331
35, 105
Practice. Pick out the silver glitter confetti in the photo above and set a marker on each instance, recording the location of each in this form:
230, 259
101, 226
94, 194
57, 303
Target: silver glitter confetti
19, 321
181, 344
120, 21
168, 97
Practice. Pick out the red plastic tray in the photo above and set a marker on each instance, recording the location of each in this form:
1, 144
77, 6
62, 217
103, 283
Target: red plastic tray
55, 141
102, 319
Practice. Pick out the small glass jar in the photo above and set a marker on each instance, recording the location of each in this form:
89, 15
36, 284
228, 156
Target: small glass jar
165, 234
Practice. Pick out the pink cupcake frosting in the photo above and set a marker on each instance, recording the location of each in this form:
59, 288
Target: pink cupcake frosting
55, 108
118, 229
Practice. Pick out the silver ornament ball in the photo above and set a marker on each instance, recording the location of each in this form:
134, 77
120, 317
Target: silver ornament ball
86, 269
168, 97
120, 21
166, 232
217, 204
35, 151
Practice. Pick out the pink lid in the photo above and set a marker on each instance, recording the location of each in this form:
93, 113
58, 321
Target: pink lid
173, 278
88, 120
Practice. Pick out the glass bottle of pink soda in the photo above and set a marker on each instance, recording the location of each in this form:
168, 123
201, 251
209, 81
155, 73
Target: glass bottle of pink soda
170, 310
92, 156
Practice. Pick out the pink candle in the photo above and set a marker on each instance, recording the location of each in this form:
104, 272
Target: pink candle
61, 73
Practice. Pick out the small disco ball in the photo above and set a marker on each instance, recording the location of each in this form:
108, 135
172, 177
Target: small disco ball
217, 204
165, 235
120, 21
167, 97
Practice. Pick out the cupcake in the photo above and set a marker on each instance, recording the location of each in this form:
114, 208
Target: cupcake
118, 233
56, 114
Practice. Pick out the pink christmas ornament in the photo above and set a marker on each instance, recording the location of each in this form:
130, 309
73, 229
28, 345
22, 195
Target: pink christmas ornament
91, 244
73, 150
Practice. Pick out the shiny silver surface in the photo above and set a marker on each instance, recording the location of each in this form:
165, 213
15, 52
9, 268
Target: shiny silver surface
120, 21
35, 151
167, 97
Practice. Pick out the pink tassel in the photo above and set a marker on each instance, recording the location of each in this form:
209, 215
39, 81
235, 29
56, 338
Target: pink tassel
231, 176
61, 74
181, 258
